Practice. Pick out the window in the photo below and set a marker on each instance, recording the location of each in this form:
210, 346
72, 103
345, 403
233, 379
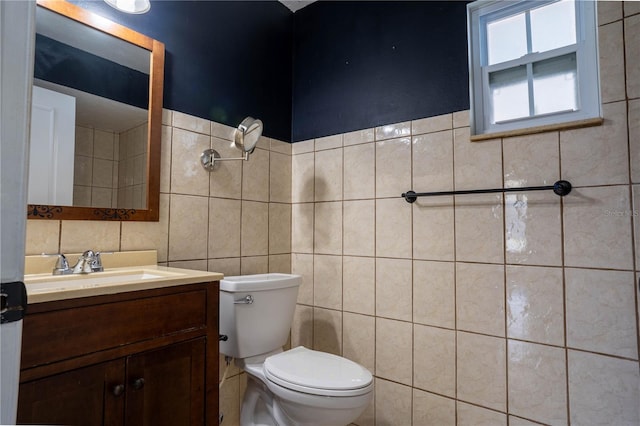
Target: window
532, 63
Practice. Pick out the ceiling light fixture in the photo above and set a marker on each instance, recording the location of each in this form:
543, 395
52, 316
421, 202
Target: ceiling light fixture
130, 6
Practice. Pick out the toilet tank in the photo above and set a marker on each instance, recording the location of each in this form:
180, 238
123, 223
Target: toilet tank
256, 312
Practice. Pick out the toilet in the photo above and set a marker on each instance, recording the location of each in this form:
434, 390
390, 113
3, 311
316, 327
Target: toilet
297, 387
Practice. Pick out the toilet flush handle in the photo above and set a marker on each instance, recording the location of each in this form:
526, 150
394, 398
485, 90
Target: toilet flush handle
244, 301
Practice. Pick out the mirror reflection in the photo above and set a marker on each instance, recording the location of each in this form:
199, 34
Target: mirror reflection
90, 117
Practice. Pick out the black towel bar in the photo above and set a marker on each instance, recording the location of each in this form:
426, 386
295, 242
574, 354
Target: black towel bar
561, 188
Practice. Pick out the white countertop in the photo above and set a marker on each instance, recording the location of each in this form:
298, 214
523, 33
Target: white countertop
119, 275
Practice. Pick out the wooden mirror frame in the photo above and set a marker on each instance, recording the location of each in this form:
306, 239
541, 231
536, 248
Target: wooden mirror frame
156, 79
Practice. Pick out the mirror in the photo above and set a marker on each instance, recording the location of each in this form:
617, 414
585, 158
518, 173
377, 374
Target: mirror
247, 135
108, 78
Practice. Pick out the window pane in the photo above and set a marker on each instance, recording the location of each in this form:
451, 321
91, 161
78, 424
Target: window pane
506, 39
555, 84
553, 26
509, 94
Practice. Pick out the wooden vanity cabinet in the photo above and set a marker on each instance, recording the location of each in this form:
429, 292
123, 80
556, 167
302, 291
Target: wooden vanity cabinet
138, 358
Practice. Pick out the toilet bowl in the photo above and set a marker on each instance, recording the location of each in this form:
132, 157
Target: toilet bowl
306, 387
298, 387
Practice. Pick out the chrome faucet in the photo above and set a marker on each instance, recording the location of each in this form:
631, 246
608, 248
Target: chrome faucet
88, 262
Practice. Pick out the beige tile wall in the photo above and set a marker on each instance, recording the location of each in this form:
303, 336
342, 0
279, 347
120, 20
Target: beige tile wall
109, 168
490, 308
236, 218
96, 164
131, 179
467, 309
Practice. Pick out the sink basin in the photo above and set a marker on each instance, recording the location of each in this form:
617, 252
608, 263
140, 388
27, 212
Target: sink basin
39, 284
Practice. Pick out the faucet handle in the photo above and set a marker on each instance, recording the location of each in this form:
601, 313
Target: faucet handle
62, 264
96, 265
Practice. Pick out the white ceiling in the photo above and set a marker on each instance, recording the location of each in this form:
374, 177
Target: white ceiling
98, 112
294, 5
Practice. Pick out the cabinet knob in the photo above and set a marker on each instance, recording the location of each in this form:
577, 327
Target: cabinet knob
117, 390
138, 383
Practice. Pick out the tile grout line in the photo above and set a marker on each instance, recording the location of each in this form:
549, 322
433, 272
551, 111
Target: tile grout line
413, 324
375, 268
634, 218
564, 287
504, 281
455, 271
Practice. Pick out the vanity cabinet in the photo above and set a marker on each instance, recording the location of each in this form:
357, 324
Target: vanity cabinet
73, 398
137, 358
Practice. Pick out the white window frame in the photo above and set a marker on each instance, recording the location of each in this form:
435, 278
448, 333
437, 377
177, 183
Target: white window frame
586, 49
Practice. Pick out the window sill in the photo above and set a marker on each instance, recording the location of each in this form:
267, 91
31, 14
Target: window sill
540, 129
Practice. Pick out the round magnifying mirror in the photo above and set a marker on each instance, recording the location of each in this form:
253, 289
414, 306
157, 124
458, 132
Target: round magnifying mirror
247, 134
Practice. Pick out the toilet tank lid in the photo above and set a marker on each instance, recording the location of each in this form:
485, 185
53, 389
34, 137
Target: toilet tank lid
244, 283
316, 370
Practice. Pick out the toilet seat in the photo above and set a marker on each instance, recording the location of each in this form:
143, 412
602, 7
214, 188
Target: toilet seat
317, 373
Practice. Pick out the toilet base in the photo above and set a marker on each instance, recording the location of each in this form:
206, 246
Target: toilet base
258, 407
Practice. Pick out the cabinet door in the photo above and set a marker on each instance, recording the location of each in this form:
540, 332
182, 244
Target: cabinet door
91, 396
166, 386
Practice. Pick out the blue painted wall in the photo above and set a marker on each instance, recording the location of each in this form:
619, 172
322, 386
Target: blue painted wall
332, 67
224, 59
65, 65
364, 64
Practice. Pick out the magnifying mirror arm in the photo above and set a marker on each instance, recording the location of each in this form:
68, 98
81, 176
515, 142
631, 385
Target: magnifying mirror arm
246, 157
210, 158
